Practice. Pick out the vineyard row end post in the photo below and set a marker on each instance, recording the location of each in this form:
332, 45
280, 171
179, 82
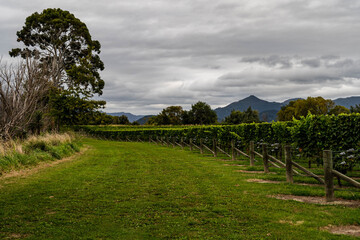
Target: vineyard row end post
289, 171
201, 146
232, 149
328, 175
214, 147
265, 158
252, 154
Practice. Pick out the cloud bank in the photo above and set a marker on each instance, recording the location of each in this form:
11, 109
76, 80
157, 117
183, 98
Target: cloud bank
159, 53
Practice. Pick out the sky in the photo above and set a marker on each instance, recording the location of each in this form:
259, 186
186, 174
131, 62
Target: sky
159, 53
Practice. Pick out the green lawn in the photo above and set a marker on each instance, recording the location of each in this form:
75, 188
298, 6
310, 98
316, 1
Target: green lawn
120, 190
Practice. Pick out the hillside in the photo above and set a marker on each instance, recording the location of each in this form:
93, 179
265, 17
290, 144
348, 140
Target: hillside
130, 116
347, 102
267, 110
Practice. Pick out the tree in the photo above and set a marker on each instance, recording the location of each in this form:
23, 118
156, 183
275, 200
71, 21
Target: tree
23, 98
169, 116
355, 109
68, 109
63, 43
201, 113
237, 117
123, 119
313, 105
338, 110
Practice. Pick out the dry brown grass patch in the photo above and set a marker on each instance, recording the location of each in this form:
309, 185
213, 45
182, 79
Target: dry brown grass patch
317, 200
351, 230
244, 171
297, 223
262, 181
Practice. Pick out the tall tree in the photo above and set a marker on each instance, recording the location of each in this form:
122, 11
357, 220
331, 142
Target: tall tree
61, 41
201, 113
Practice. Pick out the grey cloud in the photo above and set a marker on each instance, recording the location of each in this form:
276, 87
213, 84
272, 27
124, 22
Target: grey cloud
311, 62
159, 53
271, 61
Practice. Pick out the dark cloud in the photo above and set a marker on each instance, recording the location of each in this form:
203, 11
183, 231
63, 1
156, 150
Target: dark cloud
159, 53
271, 61
313, 62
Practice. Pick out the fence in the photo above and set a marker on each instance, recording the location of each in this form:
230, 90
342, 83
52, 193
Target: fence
267, 159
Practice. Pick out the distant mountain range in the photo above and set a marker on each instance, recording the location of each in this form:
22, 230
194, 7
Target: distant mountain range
267, 110
130, 116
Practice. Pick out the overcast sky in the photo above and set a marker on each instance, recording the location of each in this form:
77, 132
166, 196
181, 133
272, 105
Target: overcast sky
159, 53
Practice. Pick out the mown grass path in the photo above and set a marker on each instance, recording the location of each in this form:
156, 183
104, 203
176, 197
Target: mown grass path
118, 190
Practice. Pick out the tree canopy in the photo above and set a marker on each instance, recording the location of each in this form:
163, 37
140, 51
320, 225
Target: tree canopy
313, 105
171, 115
61, 41
237, 117
201, 113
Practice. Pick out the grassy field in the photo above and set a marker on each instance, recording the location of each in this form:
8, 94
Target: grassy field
120, 190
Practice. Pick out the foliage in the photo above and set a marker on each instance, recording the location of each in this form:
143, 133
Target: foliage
312, 134
61, 41
70, 109
169, 116
312, 105
121, 120
201, 113
237, 117
355, 109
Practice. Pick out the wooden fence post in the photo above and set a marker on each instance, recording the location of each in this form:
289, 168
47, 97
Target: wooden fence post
289, 171
328, 175
167, 141
280, 152
201, 146
191, 145
214, 147
182, 143
265, 158
232, 149
252, 154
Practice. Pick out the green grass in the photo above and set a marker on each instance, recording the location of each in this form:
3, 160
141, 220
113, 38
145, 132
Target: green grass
119, 190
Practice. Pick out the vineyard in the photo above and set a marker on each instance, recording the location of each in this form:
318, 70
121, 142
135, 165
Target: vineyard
310, 135
306, 139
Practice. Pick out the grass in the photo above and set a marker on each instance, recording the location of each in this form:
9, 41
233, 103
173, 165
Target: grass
120, 190
30, 152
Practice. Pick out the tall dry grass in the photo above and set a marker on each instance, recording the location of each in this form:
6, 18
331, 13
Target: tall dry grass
48, 139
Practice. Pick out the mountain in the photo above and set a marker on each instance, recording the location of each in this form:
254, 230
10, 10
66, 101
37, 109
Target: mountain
267, 110
144, 119
130, 116
289, 100
347, 102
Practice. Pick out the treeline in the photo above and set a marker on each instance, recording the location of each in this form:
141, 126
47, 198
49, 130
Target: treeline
200, 114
